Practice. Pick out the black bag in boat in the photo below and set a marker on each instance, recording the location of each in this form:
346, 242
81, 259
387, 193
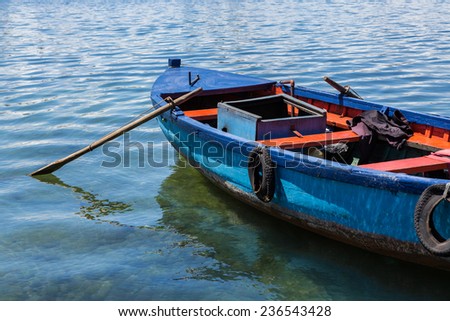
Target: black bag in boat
395, 129
371, 123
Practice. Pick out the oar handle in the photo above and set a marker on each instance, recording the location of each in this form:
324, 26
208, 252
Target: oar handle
50, 168
335, 85
345, 90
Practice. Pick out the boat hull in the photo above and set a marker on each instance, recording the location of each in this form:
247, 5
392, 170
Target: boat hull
348, 220
364, 208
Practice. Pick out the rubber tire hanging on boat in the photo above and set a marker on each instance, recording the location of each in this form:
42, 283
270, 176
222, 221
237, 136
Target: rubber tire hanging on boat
423, 220
261, 171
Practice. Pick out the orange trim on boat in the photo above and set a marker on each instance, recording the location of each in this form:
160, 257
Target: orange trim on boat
202, 114
323, 139
412, 165
336, 120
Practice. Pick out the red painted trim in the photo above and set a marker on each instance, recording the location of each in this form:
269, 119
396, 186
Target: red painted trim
312, 140
202, 114
412, 165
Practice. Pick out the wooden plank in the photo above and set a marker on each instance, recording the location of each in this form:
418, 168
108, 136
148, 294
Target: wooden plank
447, 136
411, 165
202, 114
313, 140
421, 141
336, 120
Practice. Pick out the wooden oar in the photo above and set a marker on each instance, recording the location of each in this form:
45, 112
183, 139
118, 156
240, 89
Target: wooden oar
345, 90
50, 168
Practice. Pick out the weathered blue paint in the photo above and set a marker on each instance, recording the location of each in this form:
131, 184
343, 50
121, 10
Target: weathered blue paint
237, 122
363, 207
176, 81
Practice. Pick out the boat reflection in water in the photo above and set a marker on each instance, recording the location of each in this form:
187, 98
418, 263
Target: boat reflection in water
293, 263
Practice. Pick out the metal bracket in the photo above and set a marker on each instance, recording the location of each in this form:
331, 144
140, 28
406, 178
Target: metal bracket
171, 102
193, 82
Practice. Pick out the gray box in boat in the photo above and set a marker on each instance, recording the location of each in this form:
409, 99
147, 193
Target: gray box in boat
269, 117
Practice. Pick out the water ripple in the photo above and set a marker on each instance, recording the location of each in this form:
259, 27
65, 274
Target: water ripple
71, 72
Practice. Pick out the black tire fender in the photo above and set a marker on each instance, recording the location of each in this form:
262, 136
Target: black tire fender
423, 219
261, 171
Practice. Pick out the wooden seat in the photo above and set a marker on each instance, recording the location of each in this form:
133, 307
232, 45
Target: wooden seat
312, 140
412, 165
423, 142
338, 121
202, 114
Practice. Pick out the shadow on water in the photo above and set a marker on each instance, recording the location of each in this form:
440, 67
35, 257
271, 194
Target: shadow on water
293, 263
92, 207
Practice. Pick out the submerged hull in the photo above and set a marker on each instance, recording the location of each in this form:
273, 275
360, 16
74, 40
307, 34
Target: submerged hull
367, 208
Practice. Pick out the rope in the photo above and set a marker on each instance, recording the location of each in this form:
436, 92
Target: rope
447, 188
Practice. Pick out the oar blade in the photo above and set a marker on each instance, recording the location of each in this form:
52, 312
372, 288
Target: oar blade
48, 169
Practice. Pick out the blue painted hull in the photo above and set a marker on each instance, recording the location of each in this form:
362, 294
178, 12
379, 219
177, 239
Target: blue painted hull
365, 208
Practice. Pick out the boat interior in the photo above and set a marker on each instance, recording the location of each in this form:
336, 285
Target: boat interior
320, 129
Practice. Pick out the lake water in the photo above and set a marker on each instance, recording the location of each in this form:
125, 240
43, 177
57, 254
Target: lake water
72, 71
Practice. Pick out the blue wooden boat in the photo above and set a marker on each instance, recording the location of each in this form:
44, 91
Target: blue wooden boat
299, 154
